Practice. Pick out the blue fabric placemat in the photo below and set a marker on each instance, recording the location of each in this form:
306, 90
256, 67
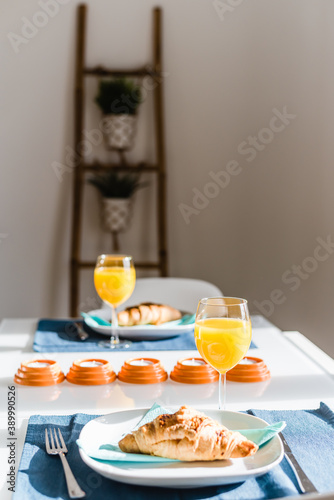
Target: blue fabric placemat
58, 335
40, 476
310, 435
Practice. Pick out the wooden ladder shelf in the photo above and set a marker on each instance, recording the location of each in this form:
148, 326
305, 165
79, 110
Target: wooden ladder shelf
154, 72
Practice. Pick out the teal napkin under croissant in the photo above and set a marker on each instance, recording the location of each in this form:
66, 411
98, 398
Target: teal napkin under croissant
111, 451
94, 321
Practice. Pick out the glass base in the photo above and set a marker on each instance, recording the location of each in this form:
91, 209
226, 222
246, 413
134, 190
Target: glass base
113, 344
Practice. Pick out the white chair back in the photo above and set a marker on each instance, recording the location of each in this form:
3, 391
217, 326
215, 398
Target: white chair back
182, 293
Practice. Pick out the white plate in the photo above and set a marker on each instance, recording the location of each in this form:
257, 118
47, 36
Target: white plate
109, 428
140, 332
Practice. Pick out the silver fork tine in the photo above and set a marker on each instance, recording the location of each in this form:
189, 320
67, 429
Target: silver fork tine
47, 444
62, 441
51, 437
56, 438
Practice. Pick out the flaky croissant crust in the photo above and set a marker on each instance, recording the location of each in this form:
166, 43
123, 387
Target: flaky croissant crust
187, 435
148, 313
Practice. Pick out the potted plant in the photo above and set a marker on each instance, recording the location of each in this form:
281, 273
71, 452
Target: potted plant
117, 191
118, 100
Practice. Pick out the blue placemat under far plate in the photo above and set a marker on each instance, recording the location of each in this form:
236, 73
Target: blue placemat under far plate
58, 335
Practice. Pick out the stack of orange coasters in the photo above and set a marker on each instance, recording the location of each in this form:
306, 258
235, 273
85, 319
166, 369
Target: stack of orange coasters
91, 372
249, 370
193, 371
142, 371
39, 372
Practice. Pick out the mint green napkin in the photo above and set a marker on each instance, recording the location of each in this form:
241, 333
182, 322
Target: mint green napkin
94, 321
111, 452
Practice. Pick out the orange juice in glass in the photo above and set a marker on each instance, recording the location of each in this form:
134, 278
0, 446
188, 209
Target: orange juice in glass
114, 280
223, 334
114, 285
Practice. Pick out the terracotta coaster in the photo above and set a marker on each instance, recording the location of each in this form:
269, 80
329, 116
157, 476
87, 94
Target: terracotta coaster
91, 372
142, 371
193, 371
39, 372
249, 370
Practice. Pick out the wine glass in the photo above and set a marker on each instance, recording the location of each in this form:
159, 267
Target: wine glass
114, 280
223, 335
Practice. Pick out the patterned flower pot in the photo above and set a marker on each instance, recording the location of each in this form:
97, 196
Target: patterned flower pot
116, 213
119, 131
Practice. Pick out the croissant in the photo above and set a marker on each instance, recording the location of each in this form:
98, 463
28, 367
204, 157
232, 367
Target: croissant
147, 313
187, 435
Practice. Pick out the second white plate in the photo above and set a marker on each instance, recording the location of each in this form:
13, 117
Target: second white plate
139, 332
110, 428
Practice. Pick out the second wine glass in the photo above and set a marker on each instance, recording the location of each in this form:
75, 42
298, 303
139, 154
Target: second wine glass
223, 335
114, 279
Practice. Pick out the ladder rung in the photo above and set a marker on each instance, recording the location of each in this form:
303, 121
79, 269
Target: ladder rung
147, 265
102, 71
140, 167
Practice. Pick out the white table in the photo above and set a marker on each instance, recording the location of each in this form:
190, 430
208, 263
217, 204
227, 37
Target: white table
301, 376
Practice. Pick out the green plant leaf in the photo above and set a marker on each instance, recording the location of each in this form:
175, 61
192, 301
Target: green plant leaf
118, 96
115, 185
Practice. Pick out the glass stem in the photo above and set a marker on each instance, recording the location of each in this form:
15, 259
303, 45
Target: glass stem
222, 391
114, 326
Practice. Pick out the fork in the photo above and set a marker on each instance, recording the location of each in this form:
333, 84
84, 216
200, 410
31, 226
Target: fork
74, 489
80, 331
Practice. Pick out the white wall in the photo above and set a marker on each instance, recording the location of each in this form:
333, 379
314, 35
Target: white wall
225, 77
